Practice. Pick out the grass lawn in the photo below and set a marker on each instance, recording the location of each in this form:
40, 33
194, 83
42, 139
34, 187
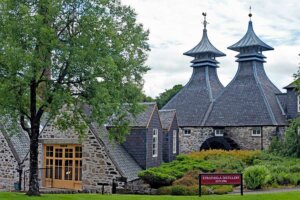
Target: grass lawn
274, 196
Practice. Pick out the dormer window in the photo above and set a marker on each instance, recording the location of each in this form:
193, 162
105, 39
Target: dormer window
298, 103
256, 131
219, 132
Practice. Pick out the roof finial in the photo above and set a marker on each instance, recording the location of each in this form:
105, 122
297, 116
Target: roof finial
250, 13
204, 22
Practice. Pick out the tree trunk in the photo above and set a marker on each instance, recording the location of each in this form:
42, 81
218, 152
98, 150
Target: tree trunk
33, 175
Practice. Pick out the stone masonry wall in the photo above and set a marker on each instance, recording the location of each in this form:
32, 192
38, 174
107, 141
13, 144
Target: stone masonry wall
8, 166
241, 135
192, 142
97, 166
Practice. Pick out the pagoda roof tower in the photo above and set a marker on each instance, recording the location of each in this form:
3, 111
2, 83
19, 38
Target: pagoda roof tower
250, 98
194, 100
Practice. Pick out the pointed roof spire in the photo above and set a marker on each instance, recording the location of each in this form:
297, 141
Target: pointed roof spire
204, 46
250, 39
250, 14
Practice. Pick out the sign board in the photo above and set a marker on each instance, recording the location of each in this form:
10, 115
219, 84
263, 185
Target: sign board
220, 179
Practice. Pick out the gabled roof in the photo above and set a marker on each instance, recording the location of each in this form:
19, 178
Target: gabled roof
143, 119
18, 141
167, 117
127, 166
292, 85
204, 46
250, 39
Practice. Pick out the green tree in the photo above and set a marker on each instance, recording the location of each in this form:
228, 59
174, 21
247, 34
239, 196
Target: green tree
167, 95
58, 55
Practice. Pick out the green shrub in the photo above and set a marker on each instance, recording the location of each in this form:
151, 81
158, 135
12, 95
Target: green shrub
223, 189
204, 190
283, 178
179, 190
186, 181
156, 179
295, 178
295, 169
166, 190
255, 176
279, 169
227, 163
182, 190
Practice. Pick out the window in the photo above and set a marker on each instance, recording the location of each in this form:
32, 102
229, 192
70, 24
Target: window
187, 132
298, 103
256, 131
155, 143
219, 132
174, 141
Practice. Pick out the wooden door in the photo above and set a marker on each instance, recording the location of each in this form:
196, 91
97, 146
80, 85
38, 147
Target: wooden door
63, 165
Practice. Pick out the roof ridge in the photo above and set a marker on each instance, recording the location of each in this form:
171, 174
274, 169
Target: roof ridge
269, 109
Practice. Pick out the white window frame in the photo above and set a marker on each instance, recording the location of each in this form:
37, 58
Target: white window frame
256, 132
155, 143
187, 132
219, 132
298, 103
174, 141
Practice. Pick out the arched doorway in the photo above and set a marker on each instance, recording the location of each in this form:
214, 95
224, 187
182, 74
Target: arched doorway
219, 143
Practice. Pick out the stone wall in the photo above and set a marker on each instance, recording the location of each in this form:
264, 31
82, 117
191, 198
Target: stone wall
8, 166
97, 166
192, 142
241, 135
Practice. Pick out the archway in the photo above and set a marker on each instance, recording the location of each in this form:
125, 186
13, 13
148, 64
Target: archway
219, 143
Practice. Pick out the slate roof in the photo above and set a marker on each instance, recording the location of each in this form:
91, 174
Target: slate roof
18, 141
250, 39
250, 98
282, 100
143, 119
166, 118
203, 47
196, 97
127, 166
292, 85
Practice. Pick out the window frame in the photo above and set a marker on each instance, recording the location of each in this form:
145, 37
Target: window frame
255, 130
174, 134
219, 132
155, 143
298, 103
187, 132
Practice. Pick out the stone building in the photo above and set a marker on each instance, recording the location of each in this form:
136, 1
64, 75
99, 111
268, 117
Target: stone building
13, 157
246, 114
90, 163
170, 134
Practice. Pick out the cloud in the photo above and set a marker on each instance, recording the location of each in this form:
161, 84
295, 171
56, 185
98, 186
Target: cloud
175, 27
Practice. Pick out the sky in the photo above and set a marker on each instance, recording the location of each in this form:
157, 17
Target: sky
176, 26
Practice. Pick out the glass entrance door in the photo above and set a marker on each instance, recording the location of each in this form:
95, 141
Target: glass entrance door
63, 165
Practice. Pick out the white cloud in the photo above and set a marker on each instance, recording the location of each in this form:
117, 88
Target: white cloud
175, 27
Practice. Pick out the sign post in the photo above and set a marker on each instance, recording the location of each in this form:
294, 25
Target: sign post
220, 179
